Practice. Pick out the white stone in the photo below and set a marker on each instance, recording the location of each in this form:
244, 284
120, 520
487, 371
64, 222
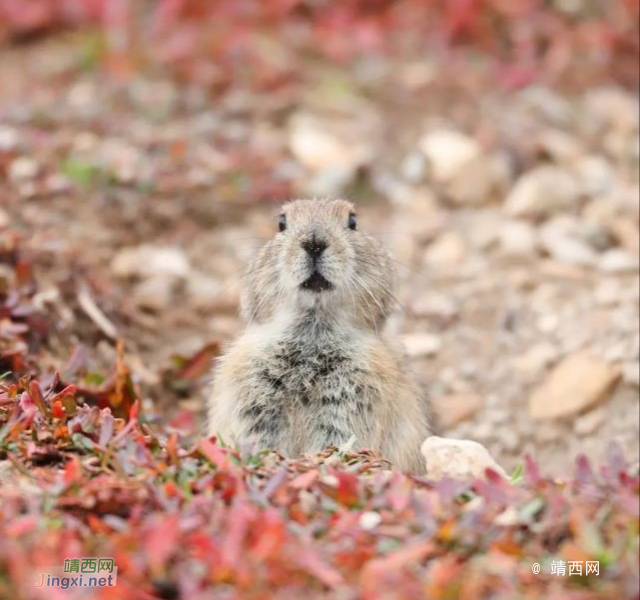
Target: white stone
541, 192
413, 167
614, 107
155, 293
559, 238
595, 175
421, 344
457, 459
447, 250
147, 260
369, 520
8, 138
318, 148
617, 260
448, 151
23, 169
518, 239
536, 359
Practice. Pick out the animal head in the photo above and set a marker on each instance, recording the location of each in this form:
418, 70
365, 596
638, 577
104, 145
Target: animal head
320, 261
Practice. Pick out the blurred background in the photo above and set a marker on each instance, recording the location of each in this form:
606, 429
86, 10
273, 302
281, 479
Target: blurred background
491, 144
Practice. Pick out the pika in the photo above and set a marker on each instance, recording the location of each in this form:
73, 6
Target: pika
313, 367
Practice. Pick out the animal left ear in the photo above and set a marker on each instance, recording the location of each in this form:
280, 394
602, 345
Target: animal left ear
352, 222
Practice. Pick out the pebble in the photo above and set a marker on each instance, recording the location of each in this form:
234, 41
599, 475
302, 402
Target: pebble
509, 439
452, 409
23, 169
617, 260
595, 175
8, 138
577, 383
448, 152
473, 184
457, 459
155, 293
318, 148
608, 292
438, 306
536, 359
369, 520
559, 238
147, 260
414, 167
202, 289
631, 373
421, 344
447, 250
589, 423
542, 192
517, 239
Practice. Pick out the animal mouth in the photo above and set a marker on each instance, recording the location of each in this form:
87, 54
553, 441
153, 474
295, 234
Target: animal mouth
317, 283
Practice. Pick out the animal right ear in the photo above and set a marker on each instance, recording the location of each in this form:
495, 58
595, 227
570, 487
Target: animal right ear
282, 222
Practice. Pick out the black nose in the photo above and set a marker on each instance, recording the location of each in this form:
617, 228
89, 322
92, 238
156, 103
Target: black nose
314, 247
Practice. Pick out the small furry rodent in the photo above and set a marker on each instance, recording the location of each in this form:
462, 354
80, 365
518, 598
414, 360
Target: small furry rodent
313, 367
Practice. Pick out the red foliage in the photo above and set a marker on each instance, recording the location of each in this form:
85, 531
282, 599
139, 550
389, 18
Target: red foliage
213, 42
209, 521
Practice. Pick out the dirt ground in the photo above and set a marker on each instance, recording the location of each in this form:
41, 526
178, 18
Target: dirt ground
513, 217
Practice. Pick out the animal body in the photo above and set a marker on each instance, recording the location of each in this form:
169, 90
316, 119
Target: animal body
313, 366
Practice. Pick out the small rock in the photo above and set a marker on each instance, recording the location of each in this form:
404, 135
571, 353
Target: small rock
631, 373
155, 293
595, 175
558, 145
613, 107
626, 233
202, 289
542, 192
577, 383
414, 167
588, 423
447, 250
536, 359
369, 520
548, 323
448, 152
518, 239
452, 409
457, 459
437, 306
608, 292
473, 184
147, 260
617, 260
23, 169
559, 238
314, 144
8, 138
509, 439
547, 432
421, 344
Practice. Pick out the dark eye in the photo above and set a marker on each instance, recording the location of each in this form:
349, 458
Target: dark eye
352, 223
282, 222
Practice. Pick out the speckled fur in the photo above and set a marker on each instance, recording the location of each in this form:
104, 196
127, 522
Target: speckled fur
313, 369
